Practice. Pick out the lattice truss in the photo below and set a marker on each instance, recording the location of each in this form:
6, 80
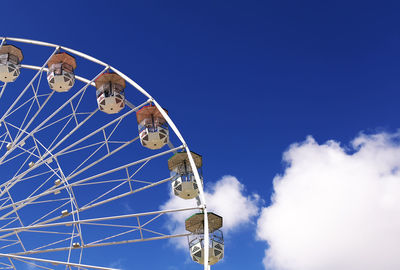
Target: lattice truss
61, 157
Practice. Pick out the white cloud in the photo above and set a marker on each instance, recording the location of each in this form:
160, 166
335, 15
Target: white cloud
118, 264
227, 198
336, 208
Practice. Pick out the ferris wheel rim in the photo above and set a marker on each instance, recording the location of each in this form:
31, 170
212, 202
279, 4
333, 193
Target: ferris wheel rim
128, 79
202, 199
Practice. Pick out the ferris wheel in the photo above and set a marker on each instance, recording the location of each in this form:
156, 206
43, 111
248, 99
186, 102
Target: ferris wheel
73, 147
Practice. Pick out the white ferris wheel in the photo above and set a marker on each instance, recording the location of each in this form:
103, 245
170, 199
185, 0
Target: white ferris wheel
77, 137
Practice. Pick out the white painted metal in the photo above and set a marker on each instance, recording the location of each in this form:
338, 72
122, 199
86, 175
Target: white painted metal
154, 139
61, 82
111, 104
9, 72
54, 262
185, 189
197, 252
92, 220
41, 157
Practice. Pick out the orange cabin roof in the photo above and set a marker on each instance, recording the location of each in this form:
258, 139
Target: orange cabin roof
62, 57
11, 49
109, 77
147, 112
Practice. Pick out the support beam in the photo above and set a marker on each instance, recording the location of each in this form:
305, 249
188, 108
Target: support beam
86, 221
55, 262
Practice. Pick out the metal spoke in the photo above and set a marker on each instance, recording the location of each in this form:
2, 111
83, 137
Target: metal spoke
54, 147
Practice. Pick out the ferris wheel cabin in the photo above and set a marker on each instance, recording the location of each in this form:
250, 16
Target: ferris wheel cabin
110, 92
60, 75
10, 60
195, 225
185, 185
153, 129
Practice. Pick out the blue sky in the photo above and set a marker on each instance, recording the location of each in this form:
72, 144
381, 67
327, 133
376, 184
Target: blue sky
241, 80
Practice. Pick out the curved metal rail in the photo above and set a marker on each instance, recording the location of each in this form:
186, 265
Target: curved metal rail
202, 205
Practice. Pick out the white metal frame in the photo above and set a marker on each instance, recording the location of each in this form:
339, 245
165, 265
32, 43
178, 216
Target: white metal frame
51, 154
